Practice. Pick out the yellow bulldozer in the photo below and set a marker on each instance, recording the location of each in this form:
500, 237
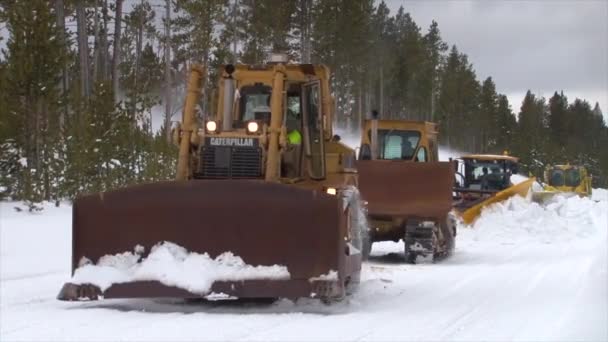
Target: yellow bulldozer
566, 180
264, 179
407, 190
484, 179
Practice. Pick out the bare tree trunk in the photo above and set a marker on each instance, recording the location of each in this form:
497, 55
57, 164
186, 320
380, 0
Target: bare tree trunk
37, 134
83, 49
116, 59
59, 11
138, 48
235, 37
305, 43
103, 43
382, 92
96, 44
168, 71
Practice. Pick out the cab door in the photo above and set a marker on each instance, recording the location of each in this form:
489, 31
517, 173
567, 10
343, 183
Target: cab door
313, 129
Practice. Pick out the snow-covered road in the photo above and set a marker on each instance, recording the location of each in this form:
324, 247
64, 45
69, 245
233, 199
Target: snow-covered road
524, 272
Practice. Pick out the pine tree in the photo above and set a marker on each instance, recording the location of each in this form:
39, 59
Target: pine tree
435, 48
487, 119
506, 126
195, 36
558, 121
380, 58
532, 134
33, 68
346, 51
404, 79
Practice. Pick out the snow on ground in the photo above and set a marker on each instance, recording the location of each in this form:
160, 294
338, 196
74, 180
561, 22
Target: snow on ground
599, 195
522, 272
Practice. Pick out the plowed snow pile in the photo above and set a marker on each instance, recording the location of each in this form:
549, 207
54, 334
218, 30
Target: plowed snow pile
562, 219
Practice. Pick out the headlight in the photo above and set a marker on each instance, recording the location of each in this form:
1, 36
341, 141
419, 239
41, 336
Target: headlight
211, 126
331, 191
252, 127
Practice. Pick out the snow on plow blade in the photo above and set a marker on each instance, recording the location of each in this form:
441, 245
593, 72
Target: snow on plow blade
264, 224
406, 189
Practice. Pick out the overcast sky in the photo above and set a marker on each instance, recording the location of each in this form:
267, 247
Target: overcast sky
541, 45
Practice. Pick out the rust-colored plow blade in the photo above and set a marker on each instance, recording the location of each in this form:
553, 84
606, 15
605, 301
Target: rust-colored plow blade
399, 188
262, 223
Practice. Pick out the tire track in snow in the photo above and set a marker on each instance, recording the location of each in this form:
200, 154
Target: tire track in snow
33, 275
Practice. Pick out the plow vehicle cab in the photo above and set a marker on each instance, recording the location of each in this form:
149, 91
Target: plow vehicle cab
483, 179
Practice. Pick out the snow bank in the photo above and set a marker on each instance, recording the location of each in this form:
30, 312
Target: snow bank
563, 218
173, 265
599, 195
516, 179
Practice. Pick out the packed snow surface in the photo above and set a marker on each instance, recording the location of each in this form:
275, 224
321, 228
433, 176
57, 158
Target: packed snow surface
173, 265
599, 195
523, 271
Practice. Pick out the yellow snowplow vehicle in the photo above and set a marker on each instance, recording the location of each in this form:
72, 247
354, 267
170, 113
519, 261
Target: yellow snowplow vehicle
263, 183
484, 179
564, 179
407, 190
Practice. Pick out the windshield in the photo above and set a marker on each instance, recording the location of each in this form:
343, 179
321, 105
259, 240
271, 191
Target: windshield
573, 177
255, 103
557, 178
395, 144
486, 175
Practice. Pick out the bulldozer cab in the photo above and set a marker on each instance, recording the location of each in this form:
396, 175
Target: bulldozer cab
271, 123
568, 178
399, 140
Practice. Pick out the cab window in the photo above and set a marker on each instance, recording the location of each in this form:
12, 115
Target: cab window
421, 156
393, 144
557, 178
573, 177
293, 119
255, 103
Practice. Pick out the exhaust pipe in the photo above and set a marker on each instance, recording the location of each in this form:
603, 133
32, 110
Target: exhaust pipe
374, 136
229, 87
